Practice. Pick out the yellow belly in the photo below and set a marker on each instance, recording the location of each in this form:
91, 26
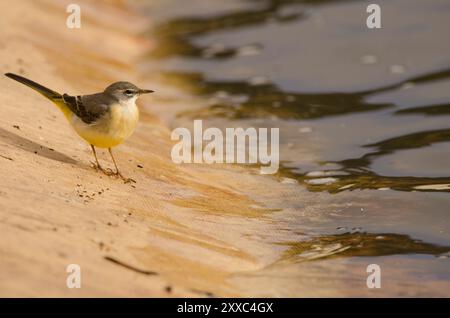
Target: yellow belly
112, 129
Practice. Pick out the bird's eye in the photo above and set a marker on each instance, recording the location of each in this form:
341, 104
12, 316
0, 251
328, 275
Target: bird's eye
128, 93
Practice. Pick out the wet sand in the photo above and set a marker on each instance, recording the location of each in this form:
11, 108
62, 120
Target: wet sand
193, 230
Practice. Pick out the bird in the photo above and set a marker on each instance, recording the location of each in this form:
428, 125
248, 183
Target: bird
103, 120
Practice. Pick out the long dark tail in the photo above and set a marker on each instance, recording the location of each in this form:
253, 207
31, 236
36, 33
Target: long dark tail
47, 92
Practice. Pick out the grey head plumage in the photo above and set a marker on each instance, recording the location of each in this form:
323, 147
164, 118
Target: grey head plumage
123, 91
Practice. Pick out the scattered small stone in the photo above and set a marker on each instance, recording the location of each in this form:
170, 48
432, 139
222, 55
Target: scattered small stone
17, 127
140, 166
168, 289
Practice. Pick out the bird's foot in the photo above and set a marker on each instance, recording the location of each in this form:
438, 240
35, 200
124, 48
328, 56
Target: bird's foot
124, 179
95, 166
109, 172
106, 171
127, 180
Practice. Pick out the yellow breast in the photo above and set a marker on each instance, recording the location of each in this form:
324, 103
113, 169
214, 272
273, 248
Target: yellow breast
112, 129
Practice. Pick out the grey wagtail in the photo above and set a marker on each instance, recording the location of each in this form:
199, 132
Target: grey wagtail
104, 120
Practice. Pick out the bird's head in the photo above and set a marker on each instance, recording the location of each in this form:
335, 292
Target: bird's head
125, 91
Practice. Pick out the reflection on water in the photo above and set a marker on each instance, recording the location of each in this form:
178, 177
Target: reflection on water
260, 97
265, 100
174, 35
356, 173
360, 244
358, 110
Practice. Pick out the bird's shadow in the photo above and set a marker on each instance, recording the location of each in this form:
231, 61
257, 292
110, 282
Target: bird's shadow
31, 146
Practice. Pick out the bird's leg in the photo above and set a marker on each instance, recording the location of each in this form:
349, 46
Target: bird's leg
126, 180
97, 166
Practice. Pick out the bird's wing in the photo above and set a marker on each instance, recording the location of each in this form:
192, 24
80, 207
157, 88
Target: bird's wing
89, 108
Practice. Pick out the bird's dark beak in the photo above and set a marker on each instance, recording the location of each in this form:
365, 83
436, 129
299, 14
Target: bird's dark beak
145, 91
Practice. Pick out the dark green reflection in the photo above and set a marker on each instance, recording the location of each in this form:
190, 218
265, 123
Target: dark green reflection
266, 100
359, 244
263, 101
175, 36
360, 177
247, 99
431, 110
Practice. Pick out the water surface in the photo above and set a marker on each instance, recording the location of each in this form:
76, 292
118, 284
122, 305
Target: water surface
364, 123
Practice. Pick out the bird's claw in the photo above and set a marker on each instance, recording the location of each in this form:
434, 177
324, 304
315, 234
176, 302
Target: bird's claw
96, 166
109, 172
106, 171
125, 180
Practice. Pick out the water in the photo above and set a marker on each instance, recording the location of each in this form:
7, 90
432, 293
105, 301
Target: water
364, 125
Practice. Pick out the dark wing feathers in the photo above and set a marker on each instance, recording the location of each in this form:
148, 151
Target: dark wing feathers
88, 108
